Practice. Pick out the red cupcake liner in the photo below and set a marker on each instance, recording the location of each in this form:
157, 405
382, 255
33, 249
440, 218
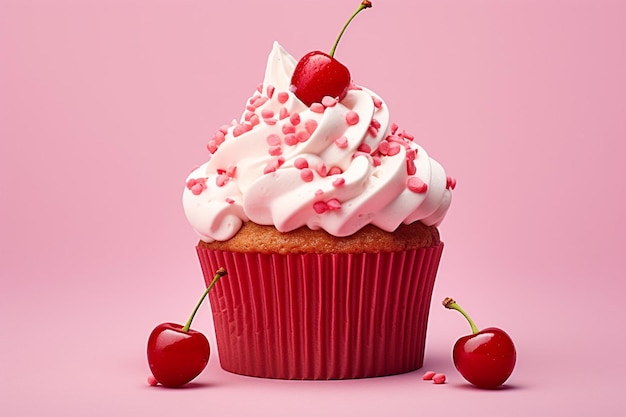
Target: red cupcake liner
321, 316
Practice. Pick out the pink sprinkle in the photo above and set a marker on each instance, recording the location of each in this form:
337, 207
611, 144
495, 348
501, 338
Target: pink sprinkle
411, 154
152, 381
383, 147
259, 101
230, 200
294, 119
240, 129
372, 131
250, 108
450, 183
339, 182
224, 129
259, 88
221, 180
273, 165
341, 142
364, 147
271, 121
310, 126
394, 128
394, 149
317, 108
283, 113
196, 185
410, 167
439, 378
321, 169
273, 139
376, 161
306, 174
270, 90
301, 163
416, 185
352, 118
378, 103
333, 204
375, 123
282, 97
291, 139
329, 101
219, 136
406, 135
335, 171
197, 189
288, 128
319, 193
428, 375
231, 170
303, 136
320, 207
247, 115
267, 113
275, 150
353, 86
254, 120
211, 146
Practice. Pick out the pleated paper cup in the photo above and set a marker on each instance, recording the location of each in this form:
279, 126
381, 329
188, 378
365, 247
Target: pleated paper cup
321, 316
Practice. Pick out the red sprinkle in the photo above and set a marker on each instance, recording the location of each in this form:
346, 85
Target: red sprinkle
301, 163
364, 147
294, 119
320, 207
335, 171
439, 378
394, 128
428, 375
303, 136
378, 103
291, 139
270, 90
283, 113
267, 113
339, 182
288, 128
282, 97
416, 185
352, 118
230, 200
450, 183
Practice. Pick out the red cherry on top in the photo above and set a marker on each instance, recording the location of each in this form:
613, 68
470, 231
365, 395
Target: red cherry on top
177, 354
319, 74
485, 358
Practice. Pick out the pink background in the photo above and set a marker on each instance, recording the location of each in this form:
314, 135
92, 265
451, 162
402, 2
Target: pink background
105, 106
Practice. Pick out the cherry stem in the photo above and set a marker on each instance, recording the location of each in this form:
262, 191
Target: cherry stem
452, 305
365, 4
218, 274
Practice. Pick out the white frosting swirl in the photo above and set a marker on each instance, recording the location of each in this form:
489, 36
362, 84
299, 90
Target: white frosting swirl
288, 165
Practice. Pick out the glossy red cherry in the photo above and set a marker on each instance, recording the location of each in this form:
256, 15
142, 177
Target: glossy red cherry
485, 358
319, 74
177, 354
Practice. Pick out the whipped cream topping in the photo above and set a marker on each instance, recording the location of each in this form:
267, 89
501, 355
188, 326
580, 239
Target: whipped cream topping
334, 165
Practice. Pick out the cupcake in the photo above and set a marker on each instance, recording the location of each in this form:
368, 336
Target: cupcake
325, 217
